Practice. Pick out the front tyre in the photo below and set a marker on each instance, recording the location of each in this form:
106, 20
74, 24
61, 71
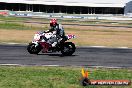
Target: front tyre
33, 49
68, 49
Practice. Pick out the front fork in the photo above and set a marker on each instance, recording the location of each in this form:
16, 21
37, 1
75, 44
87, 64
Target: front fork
36, 43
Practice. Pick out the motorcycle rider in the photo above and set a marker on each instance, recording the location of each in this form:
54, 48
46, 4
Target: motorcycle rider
58, 30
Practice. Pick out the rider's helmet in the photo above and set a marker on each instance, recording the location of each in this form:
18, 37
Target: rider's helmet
53, 22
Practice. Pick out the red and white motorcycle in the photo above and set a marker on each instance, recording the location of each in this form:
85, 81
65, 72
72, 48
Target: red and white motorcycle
40, 43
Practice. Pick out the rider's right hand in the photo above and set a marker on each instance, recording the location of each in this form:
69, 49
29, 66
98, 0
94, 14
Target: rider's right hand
44, 32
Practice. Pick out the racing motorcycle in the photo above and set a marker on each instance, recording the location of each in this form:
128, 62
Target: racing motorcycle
39, 43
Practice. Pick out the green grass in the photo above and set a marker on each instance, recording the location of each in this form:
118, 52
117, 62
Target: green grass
17, 26
73, 21
8, 18
7, 25
56, 77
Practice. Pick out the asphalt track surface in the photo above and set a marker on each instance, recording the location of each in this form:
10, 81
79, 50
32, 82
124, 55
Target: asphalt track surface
84, 56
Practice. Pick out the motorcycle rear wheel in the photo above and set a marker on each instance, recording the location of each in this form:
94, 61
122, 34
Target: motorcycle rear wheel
68, 49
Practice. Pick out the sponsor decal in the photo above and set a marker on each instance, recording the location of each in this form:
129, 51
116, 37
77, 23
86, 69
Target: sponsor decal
70, 36
3, 13
85, 81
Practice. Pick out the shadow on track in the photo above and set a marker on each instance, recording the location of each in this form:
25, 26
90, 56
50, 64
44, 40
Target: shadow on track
59, 55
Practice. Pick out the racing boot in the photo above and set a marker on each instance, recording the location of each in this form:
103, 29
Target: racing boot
54, 44
46, 48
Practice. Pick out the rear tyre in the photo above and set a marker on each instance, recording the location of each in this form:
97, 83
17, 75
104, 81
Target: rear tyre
33, 49
68, 49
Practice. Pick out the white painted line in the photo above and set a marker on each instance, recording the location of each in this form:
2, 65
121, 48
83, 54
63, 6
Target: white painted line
10, 64
106, 67
12, 43
105, 47
98, 46
123, 47
52, 65
66, 66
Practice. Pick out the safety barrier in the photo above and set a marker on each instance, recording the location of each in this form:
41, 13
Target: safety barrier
61, 16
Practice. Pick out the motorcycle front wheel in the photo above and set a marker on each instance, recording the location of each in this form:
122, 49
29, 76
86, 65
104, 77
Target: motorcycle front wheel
33, 49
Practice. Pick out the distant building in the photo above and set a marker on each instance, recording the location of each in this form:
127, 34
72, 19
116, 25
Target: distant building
128, 9
66, 6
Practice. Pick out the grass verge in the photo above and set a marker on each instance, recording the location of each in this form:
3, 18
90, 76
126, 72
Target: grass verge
20, 32
85, 36
17, 26
56, 77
